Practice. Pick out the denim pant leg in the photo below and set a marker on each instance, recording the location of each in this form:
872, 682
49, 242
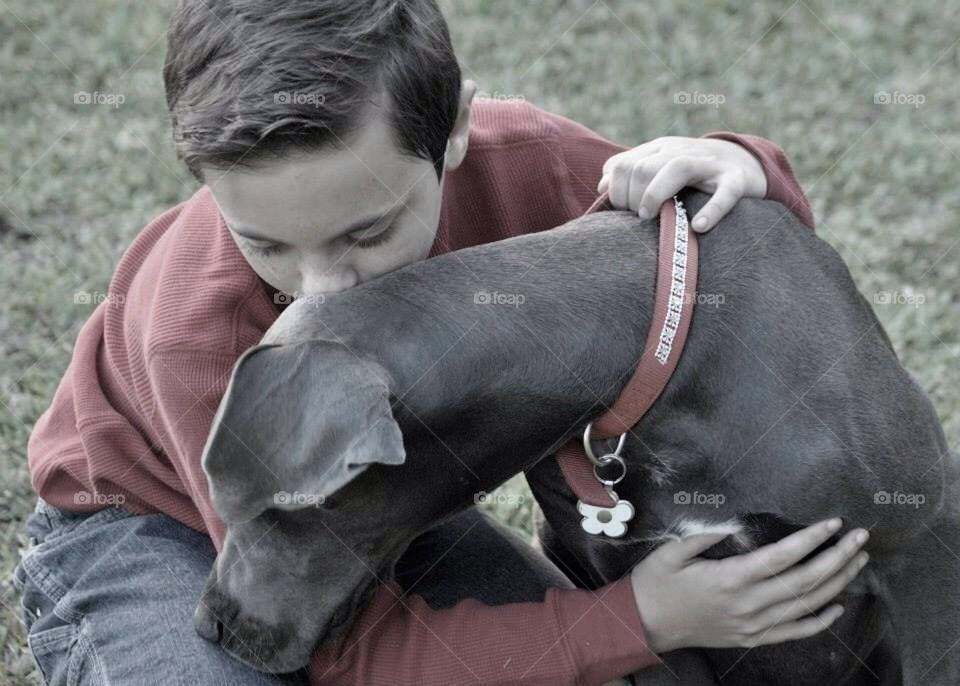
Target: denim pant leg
108, 598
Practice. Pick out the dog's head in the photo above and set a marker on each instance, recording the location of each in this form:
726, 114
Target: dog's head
296, 428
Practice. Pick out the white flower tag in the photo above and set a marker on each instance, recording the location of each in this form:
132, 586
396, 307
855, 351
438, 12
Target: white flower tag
610, 521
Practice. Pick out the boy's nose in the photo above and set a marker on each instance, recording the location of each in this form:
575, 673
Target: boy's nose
328, 281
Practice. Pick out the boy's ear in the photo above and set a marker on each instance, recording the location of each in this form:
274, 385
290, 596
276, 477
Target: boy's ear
460, 135
306, 419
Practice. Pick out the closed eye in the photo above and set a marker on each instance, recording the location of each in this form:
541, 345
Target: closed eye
369, 237
262, 250
376, 239
373, 235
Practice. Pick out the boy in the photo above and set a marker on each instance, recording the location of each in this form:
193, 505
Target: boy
336, 142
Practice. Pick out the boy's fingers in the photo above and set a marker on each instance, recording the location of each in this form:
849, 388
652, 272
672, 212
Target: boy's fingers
641, 176
667, 183
618, 185
678, 553
804, 578
648, 148
774, 558
638, 153
800, 606
721, 202
803, 628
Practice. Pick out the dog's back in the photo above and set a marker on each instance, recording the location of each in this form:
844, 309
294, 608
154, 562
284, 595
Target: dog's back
791, 374
789, 405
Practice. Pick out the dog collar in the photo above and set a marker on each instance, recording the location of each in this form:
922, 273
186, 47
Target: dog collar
603, 512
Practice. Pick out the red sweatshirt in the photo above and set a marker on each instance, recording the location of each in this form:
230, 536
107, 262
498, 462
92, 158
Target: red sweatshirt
131, 415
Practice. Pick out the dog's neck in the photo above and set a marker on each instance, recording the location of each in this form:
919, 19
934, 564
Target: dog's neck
516, 353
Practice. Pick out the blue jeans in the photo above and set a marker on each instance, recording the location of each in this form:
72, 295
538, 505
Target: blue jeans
108, 597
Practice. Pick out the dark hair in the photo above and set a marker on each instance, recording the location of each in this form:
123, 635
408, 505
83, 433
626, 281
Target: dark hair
248, 80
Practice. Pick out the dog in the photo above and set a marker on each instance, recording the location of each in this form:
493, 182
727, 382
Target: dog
396, 401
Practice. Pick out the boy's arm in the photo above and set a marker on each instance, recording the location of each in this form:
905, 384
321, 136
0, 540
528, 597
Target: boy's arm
782, 184
583, 154
572, 636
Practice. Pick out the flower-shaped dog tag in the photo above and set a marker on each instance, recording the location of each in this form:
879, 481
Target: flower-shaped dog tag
610, 521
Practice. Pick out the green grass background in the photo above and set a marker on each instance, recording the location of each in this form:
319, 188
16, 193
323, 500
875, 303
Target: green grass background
77, 183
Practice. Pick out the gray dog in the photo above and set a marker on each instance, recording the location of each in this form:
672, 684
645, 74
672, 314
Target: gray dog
789, 402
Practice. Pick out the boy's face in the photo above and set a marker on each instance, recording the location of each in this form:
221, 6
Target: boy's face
328, 220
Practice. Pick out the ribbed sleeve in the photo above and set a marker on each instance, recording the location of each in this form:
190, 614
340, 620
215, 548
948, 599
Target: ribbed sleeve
186, 388
572, 637
782, 184
581, 155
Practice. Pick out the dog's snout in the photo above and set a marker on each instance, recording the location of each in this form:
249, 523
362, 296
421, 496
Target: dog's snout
208, 626
270, 647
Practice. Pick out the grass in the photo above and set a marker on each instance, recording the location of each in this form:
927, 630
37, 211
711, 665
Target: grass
78, 182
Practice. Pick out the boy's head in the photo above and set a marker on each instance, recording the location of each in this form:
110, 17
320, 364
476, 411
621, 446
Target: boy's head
323, 128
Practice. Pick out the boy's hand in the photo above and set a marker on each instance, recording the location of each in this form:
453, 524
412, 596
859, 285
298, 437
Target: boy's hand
643, 178
746, 600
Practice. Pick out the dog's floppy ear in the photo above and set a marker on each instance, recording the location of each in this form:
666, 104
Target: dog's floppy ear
305, 418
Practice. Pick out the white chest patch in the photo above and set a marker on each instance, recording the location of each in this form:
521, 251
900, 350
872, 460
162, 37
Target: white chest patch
688, 526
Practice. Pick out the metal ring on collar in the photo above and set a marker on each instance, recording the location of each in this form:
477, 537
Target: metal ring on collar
609, 460
588, 449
